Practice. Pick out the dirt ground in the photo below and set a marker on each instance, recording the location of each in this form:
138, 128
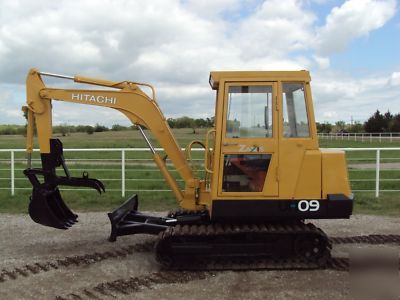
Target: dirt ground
81, 264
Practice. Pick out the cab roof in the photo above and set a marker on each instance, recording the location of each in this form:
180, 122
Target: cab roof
217, 76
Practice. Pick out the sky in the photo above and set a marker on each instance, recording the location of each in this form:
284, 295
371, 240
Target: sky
352, 49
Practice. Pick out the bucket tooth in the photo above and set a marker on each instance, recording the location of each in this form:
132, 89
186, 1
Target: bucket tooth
47, 208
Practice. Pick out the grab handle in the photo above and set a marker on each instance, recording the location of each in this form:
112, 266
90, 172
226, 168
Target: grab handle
206, 159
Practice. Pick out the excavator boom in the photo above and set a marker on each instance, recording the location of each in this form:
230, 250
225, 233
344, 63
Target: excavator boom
47, 206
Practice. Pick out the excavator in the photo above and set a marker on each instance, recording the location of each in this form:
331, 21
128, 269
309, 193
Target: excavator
264, 173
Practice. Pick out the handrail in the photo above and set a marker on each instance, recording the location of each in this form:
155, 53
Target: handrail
207, 150
189, 149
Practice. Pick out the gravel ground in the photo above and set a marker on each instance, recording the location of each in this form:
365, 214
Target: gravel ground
104, 272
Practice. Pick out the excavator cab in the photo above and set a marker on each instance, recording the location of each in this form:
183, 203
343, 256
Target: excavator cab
267, 160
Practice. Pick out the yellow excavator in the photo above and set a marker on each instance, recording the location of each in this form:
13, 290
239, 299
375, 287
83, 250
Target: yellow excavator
264, 172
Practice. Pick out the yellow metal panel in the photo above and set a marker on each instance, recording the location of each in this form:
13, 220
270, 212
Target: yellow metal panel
292, 150
334, 173
217, 76
309, 179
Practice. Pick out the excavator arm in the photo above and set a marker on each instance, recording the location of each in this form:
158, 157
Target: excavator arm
126, 97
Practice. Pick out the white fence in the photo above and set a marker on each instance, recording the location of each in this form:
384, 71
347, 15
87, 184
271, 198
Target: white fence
377, 167
121, 162
362, 136
374, 164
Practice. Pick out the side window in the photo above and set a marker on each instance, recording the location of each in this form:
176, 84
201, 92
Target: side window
249, 112
295, 120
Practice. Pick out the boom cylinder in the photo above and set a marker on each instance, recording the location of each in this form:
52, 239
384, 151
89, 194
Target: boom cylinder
163, 168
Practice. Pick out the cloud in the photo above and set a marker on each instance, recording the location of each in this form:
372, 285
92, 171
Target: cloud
354, 19
341, 97
212, 8
277, 28
9, 112
323, 62
395, 79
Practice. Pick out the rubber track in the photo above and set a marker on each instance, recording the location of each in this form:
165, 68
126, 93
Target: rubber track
76, 260
134, 284
367, 239
241, 263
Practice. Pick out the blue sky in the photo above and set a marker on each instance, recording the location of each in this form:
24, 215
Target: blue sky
351, 48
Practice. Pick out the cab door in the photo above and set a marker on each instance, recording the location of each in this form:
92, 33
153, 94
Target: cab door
249, 142
300, 158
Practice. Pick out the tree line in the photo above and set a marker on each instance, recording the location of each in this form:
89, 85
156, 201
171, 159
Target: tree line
65, 129
376, 123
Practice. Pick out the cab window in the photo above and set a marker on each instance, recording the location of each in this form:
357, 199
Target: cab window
249, 113
245, 172
295, 119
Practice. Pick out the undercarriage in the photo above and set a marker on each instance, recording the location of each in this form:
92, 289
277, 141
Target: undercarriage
190, 240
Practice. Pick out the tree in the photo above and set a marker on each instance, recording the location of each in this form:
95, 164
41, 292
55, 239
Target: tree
171, 122
324, 127
184, 122
395, 126
357, 127
388, 118
117, 127
89, 130
187, 122
100, 128
377, 123
63, 129
340, 126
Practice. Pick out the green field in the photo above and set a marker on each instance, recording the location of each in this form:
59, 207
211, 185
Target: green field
142, 175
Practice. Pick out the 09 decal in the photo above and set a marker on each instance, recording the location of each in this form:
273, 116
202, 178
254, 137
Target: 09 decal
308, 205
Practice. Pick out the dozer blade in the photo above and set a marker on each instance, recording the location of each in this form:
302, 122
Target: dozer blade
47, 208
126, 220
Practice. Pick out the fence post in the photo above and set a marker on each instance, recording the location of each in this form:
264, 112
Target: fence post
378, 158
391, 137
12, 174
123, 173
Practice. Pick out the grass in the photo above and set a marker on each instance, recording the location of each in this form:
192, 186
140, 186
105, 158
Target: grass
107, 139
387, 204
90, 200
137, 171
327, 143
357, 157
